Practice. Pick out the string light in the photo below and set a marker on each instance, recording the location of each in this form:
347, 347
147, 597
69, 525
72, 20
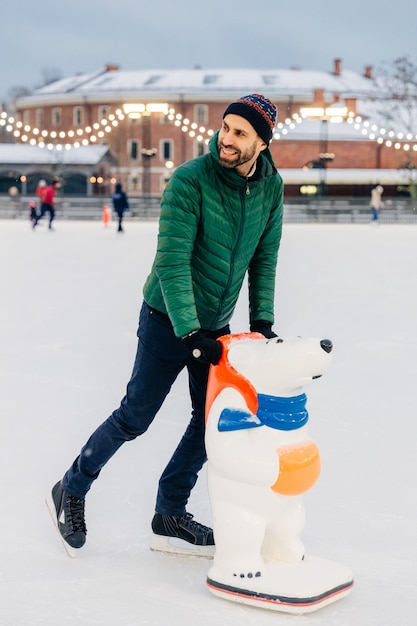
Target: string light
91, 134
378, 134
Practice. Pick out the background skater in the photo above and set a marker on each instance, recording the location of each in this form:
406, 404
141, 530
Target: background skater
376, 202
120, 204
48, 203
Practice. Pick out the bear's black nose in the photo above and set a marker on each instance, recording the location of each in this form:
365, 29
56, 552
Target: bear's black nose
327, 345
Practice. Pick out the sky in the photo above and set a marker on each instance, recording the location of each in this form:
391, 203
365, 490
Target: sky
70, 303
84, 36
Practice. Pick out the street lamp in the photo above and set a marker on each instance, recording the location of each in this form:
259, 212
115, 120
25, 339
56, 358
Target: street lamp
335, 113
147, 153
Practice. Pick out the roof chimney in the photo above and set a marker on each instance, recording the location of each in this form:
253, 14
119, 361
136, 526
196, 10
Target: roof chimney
111, 67
367, 72
337, 67
318, 97
351, 105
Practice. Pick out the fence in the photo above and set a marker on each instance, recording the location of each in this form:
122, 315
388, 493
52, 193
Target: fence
350, 211
354, 211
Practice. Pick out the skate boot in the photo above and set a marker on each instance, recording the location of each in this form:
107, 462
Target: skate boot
180, 534
68, 514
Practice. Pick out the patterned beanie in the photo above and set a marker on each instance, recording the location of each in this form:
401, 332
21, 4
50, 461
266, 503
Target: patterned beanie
260, 112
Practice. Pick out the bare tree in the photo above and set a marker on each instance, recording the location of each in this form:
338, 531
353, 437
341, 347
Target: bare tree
398, 107
18, 91
399, 86
48, 75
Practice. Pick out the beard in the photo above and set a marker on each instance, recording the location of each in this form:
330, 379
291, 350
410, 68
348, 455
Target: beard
240, 158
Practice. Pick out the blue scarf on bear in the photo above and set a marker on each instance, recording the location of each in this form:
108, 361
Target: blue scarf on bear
273, 411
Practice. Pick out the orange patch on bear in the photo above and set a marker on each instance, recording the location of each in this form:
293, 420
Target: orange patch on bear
299, 468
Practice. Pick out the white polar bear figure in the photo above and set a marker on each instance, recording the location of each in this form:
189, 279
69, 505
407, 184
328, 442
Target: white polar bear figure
260, 462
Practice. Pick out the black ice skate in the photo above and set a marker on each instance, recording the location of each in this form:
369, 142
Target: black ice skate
68, 514
180, 534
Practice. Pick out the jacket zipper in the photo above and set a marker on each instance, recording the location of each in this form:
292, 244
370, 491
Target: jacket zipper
242, 215
251, 173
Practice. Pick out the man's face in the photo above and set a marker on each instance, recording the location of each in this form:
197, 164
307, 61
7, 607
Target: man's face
239, 144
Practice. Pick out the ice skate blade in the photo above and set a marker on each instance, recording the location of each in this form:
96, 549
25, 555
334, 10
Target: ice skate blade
71, 552
174, 545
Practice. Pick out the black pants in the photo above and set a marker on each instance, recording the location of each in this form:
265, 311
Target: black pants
46, 208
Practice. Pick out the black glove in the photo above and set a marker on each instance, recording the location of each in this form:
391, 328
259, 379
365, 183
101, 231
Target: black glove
203, 348
265, 328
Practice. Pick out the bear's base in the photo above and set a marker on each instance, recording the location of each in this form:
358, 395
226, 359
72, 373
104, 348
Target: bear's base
291, 588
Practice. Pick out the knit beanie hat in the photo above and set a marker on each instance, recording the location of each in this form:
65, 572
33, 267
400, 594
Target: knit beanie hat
260, 112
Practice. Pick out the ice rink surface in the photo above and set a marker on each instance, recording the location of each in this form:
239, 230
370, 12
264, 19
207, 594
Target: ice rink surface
70, 302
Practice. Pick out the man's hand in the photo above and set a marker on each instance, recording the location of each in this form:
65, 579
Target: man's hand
265, 328
203, 348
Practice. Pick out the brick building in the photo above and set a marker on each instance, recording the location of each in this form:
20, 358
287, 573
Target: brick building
153, 120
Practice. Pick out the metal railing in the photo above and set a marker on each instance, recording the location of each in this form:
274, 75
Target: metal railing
81, 208
349, 210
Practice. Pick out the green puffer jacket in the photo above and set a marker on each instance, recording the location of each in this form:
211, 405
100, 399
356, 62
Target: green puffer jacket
215, 226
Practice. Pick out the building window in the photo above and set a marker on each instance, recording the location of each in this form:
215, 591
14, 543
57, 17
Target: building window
133, 183
133, 149
103, 112
26, 117
200, 148
211, 79
39, 118
166, 150
201, 114
78, 116
56, 116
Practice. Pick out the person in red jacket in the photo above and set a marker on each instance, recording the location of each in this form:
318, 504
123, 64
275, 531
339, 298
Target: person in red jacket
48, 202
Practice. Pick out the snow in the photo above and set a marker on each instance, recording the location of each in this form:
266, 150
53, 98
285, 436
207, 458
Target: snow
275, 81
339, 176
67, 334
316, 130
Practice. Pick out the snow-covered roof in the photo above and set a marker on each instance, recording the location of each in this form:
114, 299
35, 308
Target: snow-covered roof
315, 129
274, 83
337, 176
15, 153
396, 114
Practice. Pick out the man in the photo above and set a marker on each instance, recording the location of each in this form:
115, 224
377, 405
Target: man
48, 202
221, 216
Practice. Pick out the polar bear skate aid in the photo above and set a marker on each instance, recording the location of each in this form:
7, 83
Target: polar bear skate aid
261, 461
